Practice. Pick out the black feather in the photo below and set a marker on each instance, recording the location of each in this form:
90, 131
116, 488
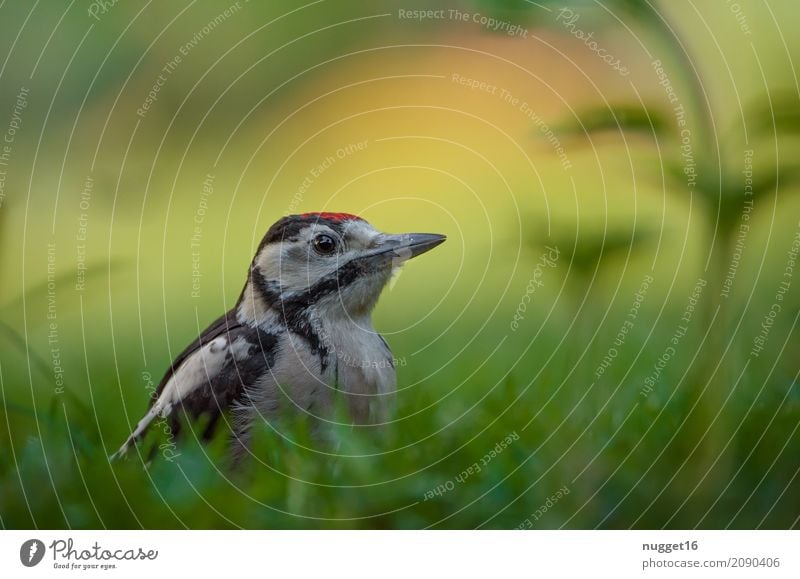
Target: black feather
220, 391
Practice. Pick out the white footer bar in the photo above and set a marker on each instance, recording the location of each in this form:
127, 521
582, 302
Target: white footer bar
388, 554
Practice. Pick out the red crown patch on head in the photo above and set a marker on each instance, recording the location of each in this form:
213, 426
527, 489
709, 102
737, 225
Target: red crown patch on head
333, 216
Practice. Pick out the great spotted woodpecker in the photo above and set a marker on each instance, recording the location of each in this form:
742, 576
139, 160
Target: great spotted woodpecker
299, 335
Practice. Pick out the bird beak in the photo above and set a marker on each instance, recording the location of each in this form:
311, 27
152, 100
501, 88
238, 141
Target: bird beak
404, 246
408, 245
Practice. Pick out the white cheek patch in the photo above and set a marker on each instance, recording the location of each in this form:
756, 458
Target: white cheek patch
298, 275
269, 261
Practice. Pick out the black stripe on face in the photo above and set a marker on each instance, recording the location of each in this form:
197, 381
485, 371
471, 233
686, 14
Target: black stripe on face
268, 290
338, 281
293, 310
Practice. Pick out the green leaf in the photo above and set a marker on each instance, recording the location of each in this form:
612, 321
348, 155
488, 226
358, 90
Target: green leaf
784, 177
617, 118
729, 196
588, 246
779, 113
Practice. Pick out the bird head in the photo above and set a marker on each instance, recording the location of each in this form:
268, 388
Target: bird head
335, 262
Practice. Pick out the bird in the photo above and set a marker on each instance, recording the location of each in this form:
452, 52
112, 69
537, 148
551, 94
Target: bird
299, 336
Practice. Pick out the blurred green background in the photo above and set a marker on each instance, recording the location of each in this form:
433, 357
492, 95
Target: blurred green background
643, 375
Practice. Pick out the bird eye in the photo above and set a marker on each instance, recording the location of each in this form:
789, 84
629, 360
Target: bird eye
324, 244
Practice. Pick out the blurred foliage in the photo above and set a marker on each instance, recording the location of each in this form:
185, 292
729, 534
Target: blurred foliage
778, 113
706, 169
627, 118
629, 459
589, 249
59, 475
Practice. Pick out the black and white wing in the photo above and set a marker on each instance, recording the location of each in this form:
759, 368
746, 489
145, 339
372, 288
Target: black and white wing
210, 374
